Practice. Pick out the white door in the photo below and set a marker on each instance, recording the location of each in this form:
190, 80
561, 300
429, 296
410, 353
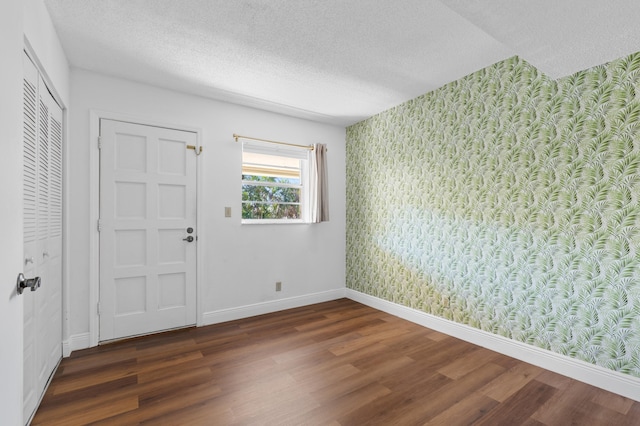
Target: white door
42, 218
147, 229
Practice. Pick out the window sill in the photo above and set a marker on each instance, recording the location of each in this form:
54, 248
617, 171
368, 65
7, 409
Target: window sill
274, 222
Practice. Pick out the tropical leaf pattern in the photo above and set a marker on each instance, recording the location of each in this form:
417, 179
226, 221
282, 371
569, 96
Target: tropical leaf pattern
508, 201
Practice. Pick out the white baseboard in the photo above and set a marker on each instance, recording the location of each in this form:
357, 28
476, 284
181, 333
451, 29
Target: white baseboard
612, 381
74, 343
231, 314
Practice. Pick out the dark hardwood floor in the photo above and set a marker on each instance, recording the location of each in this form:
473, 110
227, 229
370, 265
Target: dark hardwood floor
335, 363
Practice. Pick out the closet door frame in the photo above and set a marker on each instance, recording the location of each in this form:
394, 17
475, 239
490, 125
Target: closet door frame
28, 50
44, 79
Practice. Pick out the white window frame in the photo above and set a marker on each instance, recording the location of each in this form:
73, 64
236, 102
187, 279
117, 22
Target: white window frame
281, 151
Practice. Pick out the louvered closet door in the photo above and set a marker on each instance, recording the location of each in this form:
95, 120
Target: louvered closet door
42, 215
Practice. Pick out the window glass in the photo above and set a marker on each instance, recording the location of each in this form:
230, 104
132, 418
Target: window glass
272, 185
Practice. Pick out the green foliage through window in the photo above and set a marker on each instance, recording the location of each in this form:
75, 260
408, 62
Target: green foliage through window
268, 197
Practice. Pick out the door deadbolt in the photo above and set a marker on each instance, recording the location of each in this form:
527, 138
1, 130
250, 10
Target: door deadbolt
189, 230
189, 239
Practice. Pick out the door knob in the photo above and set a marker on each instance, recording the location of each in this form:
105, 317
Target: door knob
22, 283
189, 239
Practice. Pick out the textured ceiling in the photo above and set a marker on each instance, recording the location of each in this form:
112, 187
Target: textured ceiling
559, 37
335, 61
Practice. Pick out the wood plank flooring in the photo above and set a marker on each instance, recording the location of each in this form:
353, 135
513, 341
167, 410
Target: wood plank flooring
334, 363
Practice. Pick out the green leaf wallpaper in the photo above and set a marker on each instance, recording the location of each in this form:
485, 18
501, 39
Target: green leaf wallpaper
508, 201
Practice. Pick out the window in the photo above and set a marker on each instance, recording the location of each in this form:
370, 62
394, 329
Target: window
273, 183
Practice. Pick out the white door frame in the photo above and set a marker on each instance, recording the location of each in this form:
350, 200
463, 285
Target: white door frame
94, 212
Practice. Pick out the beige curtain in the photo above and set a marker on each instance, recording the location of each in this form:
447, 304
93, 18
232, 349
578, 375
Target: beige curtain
319, 184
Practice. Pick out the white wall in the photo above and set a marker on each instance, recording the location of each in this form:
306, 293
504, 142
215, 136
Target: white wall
42, 39
10, 214
242, 262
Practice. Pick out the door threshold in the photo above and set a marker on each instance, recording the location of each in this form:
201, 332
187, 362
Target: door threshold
138, 336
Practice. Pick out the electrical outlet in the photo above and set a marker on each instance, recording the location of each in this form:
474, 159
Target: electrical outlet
227, 212
278, 286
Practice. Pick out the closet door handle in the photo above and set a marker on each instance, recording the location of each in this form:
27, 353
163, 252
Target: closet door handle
22, 283
189, 239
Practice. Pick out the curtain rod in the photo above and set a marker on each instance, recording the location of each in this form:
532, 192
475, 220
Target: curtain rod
309, 147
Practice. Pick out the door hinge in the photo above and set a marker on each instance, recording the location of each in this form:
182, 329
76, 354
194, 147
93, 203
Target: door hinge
99, 142
98, 308
99, 225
